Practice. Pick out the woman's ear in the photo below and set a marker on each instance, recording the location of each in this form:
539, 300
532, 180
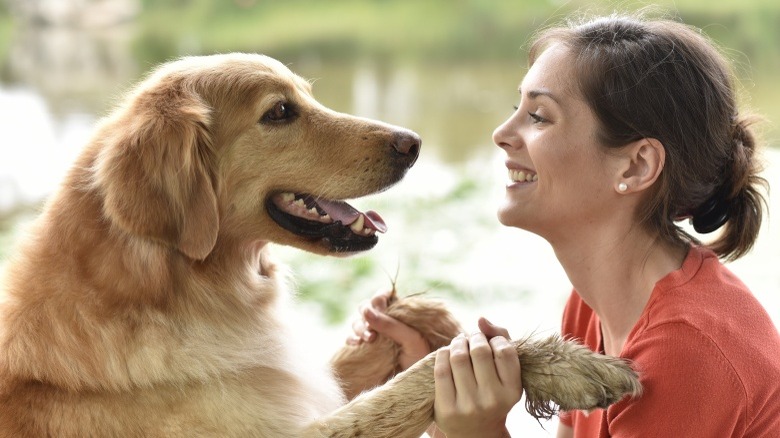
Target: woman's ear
641, 164
155, 169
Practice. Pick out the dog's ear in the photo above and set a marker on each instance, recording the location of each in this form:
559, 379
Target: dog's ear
156, 168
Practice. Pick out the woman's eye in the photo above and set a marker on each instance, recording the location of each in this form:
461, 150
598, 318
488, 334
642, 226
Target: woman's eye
280, 112
536, 117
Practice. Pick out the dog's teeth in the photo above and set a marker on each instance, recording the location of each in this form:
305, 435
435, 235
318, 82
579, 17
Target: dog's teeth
536, 178
326, 218
368, 231
314, 211
288, 197
299, 202
357, 226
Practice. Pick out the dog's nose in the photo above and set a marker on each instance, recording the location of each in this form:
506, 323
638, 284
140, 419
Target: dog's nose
407, 143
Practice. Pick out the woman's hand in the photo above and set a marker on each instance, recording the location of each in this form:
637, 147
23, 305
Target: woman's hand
374, 320
477, 383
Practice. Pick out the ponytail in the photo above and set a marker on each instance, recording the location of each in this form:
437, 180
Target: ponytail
739, 204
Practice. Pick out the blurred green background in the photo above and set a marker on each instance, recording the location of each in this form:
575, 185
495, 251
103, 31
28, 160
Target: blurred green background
447, 69
332, 40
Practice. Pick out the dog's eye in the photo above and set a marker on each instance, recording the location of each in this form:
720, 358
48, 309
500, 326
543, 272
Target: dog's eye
280, 112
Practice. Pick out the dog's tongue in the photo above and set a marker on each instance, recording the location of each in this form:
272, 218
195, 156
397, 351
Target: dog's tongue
341, 211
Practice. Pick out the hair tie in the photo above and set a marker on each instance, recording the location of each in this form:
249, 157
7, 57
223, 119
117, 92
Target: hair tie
711, 215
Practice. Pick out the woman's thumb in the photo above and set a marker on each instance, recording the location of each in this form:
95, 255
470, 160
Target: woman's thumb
491, 330
394, 329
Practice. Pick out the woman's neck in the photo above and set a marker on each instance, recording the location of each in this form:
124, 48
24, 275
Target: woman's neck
615, 274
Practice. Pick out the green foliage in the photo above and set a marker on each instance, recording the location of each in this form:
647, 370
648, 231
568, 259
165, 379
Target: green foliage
436, 28
332, 289
6, 32
428, 30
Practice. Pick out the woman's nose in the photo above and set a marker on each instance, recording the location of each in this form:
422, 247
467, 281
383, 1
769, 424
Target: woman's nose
504, 136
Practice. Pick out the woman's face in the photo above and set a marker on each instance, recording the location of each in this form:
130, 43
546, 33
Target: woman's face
560, 181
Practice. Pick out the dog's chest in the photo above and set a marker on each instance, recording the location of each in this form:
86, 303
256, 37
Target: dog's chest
264, 402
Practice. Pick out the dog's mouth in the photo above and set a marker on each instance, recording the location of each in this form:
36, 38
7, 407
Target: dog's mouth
339, 225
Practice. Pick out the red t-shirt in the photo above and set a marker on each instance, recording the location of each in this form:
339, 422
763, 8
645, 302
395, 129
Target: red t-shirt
708, 357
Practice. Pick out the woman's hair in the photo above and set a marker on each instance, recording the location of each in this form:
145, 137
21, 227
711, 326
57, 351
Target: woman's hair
664, 80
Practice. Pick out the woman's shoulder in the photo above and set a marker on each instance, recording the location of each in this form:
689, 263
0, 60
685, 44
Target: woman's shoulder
707, 296
677, 359
716, 335
689, 373
709, 324
714, 307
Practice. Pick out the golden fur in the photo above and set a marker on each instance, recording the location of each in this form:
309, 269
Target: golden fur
556, 374
144, 301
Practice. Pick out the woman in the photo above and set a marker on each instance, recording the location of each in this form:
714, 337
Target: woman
625, 127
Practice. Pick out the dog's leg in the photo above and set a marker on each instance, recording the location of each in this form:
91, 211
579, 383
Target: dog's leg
403, 407
555, 372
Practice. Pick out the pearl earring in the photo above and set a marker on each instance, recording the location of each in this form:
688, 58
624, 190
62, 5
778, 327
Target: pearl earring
622, 187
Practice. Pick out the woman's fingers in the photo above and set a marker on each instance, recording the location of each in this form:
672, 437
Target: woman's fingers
375, 321
442, 373
460, 362
379, 300
413, 345
362, 331
506, 362
394, 329
481, 353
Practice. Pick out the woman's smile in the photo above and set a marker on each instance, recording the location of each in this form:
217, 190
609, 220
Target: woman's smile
519, 175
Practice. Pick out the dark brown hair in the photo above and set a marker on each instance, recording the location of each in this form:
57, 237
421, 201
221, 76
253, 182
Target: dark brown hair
664, 80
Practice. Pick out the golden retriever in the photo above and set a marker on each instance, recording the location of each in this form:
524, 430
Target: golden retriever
144, 301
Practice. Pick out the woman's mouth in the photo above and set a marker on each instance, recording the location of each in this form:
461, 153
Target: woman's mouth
516, 176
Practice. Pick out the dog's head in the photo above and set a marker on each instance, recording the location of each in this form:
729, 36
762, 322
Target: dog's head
235, 147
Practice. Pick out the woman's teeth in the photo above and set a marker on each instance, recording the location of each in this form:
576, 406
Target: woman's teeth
522, 176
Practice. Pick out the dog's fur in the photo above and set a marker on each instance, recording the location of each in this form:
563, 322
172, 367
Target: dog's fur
144, 301
556, 374
371, 365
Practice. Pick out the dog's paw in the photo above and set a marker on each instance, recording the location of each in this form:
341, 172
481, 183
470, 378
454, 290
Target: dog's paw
429, 317
563, 374
556, 373
365, 366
